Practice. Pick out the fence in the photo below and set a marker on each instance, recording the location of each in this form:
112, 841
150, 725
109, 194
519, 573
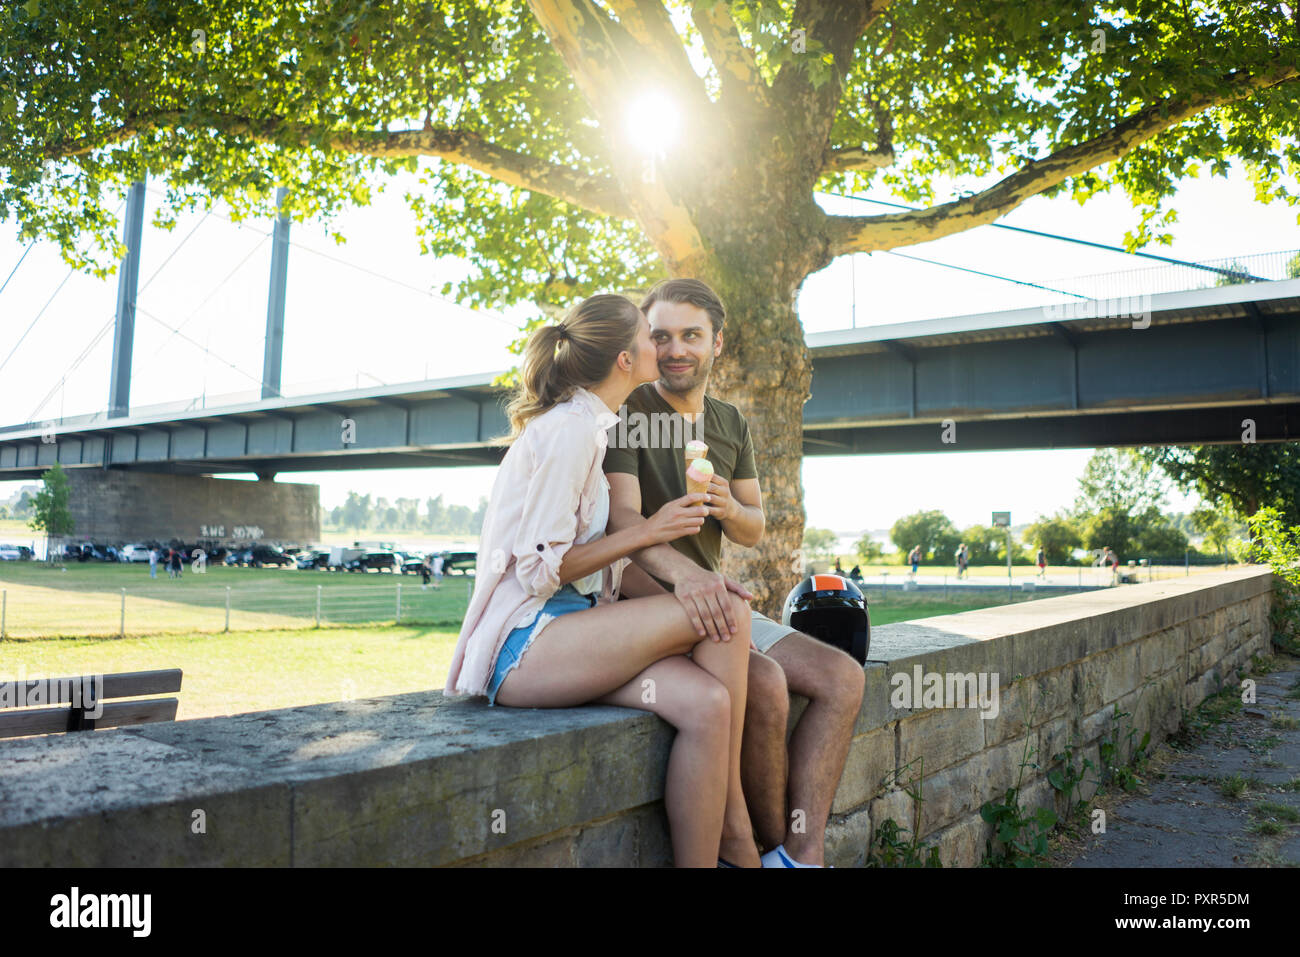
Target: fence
1024, 585
170, 606
192, 605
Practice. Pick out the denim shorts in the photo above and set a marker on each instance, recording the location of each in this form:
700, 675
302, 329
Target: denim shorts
566, 600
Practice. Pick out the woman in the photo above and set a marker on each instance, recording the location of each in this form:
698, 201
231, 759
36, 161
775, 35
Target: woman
544, 628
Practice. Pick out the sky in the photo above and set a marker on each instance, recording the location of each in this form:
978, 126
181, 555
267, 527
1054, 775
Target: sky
361, 313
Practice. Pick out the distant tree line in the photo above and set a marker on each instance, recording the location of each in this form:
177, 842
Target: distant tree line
1120, 503
405, 515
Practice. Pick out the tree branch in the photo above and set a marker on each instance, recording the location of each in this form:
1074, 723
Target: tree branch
830, 26
598, 194
836, 25
606, 64
733, 60
866, 233
859, 157
648, 23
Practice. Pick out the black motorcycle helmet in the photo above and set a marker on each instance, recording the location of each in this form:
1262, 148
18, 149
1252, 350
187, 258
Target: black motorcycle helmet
832, 609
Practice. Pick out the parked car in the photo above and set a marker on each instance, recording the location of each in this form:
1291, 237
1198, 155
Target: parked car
268, 555
313, 559
462, 562
10, 553
135, 552
412, 562
379, 561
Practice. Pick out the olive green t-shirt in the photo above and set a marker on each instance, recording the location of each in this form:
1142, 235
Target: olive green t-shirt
650, 443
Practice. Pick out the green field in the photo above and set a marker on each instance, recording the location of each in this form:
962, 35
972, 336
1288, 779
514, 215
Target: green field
273, 657
85, 599
254, 670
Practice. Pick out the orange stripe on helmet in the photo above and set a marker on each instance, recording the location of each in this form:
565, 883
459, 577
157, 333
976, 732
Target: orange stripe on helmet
828, 583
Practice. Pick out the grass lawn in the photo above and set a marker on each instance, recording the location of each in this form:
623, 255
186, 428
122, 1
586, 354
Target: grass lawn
85, 599
254, 670
904, 607
260, 670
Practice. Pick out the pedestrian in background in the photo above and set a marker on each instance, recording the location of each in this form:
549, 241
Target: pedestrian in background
153, 563
425, 572
963, 558
437, 571
914, 557
1042, 562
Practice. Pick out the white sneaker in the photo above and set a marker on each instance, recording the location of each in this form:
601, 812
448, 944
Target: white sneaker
777, 857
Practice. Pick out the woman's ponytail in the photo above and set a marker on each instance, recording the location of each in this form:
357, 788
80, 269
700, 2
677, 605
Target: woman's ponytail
576, 353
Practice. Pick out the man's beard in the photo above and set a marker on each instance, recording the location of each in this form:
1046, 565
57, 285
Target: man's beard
680, 383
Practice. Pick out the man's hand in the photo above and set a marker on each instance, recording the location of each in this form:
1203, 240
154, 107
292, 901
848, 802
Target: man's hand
719, 502
703, 595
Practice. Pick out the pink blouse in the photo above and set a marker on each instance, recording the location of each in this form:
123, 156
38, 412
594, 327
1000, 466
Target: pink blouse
544, 499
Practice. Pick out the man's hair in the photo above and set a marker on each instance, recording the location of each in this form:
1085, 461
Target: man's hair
689, 291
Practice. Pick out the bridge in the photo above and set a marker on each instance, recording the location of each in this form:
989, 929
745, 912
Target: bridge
1189, 368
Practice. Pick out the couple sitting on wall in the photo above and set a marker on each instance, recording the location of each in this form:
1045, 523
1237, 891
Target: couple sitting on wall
578, 519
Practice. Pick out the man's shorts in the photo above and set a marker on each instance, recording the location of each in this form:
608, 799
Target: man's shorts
765, 632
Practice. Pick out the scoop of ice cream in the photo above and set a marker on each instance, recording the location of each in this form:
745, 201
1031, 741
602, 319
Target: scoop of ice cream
696, 449
701, 470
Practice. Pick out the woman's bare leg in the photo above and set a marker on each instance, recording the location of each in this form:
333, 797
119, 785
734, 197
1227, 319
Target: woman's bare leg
584, 655
698, 706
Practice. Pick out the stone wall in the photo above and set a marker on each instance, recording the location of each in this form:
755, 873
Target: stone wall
113, 505
417, 780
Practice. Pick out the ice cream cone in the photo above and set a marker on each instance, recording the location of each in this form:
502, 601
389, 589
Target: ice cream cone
698, 475
695, 449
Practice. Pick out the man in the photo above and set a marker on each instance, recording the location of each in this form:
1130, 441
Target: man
686, 319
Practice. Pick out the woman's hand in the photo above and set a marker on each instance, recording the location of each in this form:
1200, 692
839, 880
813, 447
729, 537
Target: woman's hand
682, 516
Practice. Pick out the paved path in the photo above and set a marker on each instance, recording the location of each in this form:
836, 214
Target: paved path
1184, 817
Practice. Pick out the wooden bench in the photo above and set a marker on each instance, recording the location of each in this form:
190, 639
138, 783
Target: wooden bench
79, 694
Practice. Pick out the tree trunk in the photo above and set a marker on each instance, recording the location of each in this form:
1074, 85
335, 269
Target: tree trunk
764, 371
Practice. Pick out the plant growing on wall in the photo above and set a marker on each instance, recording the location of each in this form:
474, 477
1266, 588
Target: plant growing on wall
1279, 547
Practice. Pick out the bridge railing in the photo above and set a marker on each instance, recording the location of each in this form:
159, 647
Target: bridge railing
1203, 274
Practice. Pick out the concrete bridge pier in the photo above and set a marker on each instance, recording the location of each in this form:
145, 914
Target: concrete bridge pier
113, 505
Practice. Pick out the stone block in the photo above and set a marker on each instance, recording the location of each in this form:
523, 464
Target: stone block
848, 838
1121, 672
961, 844
939, 738
870, 761
897, 806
